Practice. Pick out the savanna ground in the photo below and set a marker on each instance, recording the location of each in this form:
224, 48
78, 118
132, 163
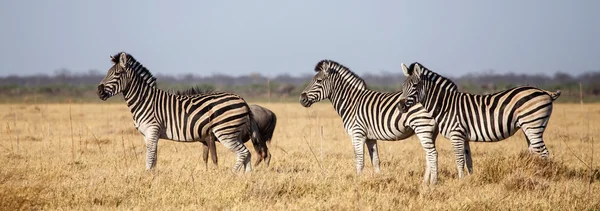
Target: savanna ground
89, 156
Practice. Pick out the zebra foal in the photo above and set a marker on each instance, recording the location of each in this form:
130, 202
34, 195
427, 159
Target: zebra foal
160, 114
369, 115
464, 117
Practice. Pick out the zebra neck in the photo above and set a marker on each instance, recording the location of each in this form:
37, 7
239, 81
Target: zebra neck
140, 98
438, 100
341, 99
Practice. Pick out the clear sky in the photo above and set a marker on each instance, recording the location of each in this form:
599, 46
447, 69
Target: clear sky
275, 36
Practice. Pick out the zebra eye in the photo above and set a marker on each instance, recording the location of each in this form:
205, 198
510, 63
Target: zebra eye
319, 80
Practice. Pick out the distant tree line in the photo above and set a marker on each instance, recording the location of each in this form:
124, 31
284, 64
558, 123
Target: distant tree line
64, 84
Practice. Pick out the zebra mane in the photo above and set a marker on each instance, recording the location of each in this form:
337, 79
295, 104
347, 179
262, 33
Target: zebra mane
193, 91
344, 72
141, 71
433, 76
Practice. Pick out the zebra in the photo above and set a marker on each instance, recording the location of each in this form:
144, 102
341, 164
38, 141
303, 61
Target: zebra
464, 117
369, 115
160, 114
265, 118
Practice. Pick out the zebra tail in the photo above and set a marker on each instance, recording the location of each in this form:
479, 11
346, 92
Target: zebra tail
554, 95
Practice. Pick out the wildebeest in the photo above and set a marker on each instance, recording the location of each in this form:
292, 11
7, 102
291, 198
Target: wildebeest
264, 117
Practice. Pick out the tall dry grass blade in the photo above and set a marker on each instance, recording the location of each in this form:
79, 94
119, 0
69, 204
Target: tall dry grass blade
16, 132
280, 148
321, 147
134, 151
193, 184
574, 154
592, 170
3, 147
123, 146
358, 198
72, 139
315, 156
95, 137
12, 147
80, 141
8, 137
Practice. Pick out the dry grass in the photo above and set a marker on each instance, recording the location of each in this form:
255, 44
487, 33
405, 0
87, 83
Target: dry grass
107, 170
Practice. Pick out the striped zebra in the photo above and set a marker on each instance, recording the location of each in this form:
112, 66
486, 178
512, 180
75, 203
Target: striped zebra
369, 115
265, 119
464, 117
160, 114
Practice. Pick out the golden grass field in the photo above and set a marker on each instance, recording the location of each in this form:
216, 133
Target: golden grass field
89, 156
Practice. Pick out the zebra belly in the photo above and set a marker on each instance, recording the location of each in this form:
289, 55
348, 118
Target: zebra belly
176, 132
395, 135
489, 136
178, 136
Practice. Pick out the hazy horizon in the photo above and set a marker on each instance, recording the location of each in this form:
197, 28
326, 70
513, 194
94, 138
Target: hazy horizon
274, 38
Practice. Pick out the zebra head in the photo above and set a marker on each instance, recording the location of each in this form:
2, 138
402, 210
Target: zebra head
319, 87
412, 89
116, 79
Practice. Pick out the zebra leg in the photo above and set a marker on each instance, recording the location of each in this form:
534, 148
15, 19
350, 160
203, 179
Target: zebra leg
427, 131
459, 151
151, 140
534, 125
205, 154
374, 154
528, 141
248, 163
534, 136
358, 141
233, 143
468, 159
431, 156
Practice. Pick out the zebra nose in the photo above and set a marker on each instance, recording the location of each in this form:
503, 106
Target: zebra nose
100, 88
401, 105
303, 96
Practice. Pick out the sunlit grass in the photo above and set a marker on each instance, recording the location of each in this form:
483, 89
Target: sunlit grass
102, 166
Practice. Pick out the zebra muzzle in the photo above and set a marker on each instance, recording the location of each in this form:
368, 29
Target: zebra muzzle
101, 93
402, 106
304, 101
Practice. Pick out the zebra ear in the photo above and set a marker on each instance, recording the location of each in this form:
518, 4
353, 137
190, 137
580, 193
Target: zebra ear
405, 70
123, 59
325, 67
417, 68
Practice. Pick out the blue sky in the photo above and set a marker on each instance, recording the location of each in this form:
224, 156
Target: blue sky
275, 37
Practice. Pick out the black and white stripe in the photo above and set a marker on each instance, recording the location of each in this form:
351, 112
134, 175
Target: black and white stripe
265, 119
464, 117
369, 115
160, 114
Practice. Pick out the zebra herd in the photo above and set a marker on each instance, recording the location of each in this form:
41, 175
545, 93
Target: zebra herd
427, 104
